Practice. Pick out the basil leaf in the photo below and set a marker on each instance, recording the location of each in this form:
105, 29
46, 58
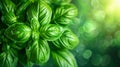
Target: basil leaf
23, 5
64, 14
68, 40
45, 13
51, 32
8, 58
7, 8
38, 51
63, 58
39, 13
32, 15
9, 18
18, 32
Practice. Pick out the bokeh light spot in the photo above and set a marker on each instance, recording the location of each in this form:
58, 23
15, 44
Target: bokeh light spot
87, 54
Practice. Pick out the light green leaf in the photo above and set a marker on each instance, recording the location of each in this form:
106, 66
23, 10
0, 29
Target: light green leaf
32, 15
63, 58
45, 13
64, 14
51, 32
38, 51
18, 32
68, 40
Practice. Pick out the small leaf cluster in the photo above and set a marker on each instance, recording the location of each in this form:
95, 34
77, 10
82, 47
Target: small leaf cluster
33, 30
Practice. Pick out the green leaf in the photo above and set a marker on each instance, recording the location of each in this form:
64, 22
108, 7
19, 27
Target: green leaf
38, 51
32, 15
23, 5
39, 13
63, 58
9, 18
68, 40
18, 32
51, 32
33, 11
45, 13
64, 14
7, 8
8, 58
21, 9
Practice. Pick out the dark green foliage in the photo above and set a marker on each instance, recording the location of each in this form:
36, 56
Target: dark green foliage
7, 8
8, 58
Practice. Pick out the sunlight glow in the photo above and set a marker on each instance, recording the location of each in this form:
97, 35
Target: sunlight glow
117, 2
113, 8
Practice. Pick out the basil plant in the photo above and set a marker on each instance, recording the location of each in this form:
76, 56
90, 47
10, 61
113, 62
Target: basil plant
32, 31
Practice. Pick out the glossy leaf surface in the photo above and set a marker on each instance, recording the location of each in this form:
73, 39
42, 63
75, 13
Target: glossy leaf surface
68, 40
64, 58
18, 32
38, 52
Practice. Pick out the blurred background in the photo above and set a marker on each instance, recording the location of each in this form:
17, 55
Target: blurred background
98, 28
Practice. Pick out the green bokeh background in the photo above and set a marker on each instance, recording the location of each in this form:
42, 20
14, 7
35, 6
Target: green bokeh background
98, 30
